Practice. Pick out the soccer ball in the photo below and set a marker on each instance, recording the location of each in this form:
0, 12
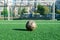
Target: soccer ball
30, 25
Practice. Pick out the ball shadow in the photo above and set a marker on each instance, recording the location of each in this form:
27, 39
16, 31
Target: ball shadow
20, 29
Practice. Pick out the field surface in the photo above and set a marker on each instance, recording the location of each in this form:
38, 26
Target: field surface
15, 30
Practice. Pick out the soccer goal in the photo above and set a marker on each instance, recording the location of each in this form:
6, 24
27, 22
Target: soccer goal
25, 9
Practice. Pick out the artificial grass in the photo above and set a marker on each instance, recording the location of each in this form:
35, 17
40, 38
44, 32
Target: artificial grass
19, 32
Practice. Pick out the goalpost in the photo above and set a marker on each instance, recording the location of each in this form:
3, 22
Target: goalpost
53, 14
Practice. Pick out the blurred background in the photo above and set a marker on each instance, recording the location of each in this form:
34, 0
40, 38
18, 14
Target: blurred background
29, 9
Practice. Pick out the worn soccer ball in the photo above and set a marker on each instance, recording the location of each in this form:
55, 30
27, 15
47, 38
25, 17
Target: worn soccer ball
30, 25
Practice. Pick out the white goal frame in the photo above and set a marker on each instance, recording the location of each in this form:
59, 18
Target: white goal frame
53, 14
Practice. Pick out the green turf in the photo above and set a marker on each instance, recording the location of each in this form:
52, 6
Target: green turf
19, 32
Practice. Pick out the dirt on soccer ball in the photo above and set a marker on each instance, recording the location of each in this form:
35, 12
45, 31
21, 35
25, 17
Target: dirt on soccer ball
30, 25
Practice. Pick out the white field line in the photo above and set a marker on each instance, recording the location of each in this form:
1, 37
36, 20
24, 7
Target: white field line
25, 23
